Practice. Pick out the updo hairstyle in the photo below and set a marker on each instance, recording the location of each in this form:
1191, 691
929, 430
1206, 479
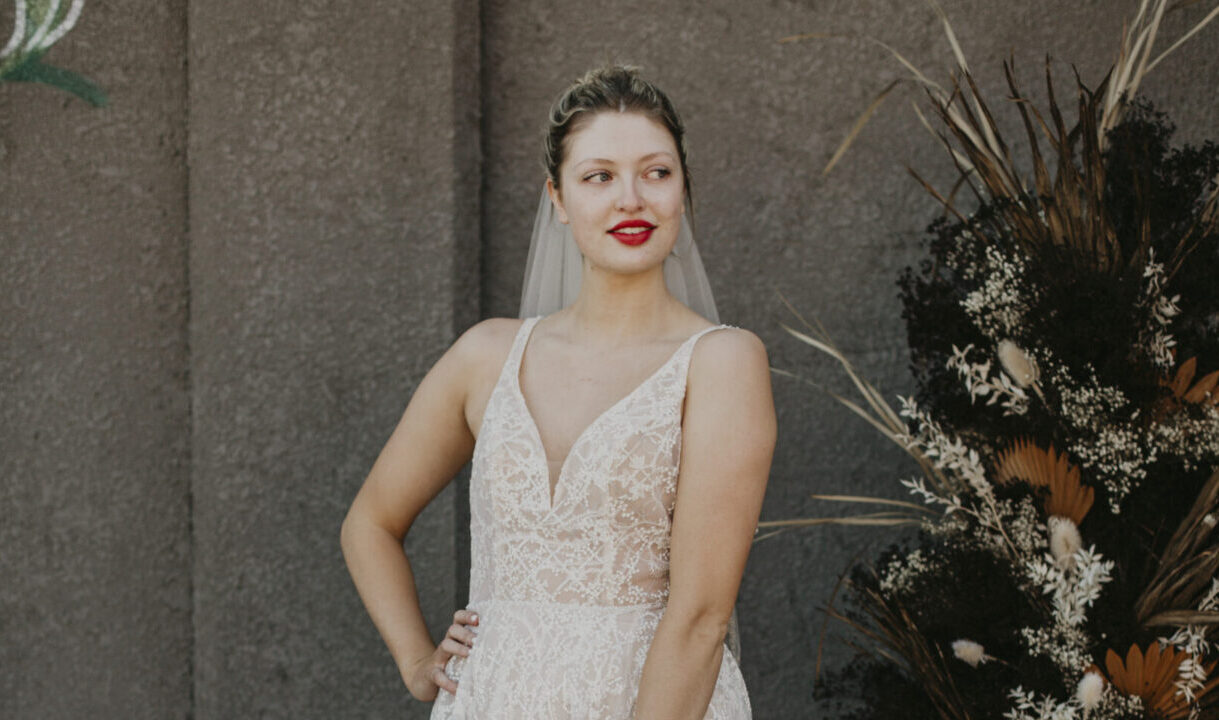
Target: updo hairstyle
610, 88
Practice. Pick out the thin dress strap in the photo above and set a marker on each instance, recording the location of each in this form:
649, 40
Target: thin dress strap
694, 338
512, 364
687, 348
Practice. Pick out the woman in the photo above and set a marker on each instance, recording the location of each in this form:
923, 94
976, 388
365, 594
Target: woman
621, 447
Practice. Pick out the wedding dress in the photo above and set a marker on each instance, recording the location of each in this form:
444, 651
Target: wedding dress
569, 590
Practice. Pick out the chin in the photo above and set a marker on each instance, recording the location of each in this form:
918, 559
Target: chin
638, 269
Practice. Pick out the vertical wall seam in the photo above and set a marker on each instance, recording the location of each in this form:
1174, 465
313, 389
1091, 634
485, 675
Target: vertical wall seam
468, 301
193, 643
484, 302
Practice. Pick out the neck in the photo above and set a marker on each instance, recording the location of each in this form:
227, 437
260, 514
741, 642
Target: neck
622, 307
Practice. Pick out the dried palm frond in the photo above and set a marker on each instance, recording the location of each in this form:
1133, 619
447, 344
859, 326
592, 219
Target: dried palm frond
1025, 461
1187, 566
1201, 392
882, 417
1152, 676
910, 514
897, 638
879, 414
1133, 63
1063, 215
1065, 209
1135, 60
1205, 225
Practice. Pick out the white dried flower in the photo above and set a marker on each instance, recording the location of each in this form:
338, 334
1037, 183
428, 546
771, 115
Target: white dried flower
969, 652
900, 575
1090, 690
1065, 540
1154, 338
979, 383
1066, 647
1029, 707
1073, 588
1000, 303
1017, 363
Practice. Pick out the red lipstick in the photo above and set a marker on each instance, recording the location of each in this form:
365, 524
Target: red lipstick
626, 233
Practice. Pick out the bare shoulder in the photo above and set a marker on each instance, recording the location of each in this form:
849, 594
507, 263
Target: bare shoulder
474, 357
728, 353
729, 422
481, 352
485, 344
729, 384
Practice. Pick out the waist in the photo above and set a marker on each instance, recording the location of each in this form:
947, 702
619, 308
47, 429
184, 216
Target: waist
498, 604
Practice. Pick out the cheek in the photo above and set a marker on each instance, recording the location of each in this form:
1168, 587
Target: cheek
587, 205
666, 200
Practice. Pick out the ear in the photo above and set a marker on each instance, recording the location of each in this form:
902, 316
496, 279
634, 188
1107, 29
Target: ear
557, 199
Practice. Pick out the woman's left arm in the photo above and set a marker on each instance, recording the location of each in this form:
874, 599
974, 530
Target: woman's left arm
728, 439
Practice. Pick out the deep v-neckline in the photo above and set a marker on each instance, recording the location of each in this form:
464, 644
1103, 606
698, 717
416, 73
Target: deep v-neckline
552, 487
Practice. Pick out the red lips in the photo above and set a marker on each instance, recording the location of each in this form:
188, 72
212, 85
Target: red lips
625, 232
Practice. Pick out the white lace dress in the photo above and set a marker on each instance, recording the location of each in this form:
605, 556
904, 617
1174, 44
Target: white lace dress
569, 592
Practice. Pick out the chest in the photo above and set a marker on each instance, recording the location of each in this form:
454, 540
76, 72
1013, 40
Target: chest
566, 394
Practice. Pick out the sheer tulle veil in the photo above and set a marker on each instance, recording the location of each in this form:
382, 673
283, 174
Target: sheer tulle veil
554, 267
552, 282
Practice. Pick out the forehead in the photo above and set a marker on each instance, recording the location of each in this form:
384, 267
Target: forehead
618, 136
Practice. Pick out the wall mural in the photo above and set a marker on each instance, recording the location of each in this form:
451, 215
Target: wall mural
37, 25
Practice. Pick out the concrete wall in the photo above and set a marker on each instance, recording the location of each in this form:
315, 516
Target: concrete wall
332, 261
219, 293
95, 551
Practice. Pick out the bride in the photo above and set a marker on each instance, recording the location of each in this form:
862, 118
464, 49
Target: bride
621, 442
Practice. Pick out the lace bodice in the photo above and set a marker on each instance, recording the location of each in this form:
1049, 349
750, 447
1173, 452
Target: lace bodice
570, 589
604, 540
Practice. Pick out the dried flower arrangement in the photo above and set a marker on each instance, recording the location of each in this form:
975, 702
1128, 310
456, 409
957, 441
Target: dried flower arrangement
1064, 337
37, 25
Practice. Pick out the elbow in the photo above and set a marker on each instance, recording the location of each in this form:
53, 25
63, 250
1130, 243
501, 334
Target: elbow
346, 533
714, 628
359, 528
350, 531
708, 624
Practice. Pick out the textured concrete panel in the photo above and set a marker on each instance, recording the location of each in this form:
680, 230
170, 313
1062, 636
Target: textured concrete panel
334, 252
94, 404
763, 119
333, 258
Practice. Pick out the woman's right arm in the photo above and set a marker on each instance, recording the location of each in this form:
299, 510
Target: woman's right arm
430, 444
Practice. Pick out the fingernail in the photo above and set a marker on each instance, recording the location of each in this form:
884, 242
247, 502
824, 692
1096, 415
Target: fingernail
474, 617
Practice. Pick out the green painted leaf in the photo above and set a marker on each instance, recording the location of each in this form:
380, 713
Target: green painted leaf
33, 70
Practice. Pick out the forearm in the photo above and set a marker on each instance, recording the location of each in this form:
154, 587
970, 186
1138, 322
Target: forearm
382, 576
682, 666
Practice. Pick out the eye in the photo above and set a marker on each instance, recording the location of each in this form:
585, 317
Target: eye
660, 173
598, 176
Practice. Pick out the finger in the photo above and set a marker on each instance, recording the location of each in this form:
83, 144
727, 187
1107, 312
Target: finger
443, 681
461, 634
465, 617
453, 647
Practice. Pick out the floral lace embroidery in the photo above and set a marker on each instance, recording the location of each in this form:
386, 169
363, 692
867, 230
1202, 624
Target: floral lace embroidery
570, 592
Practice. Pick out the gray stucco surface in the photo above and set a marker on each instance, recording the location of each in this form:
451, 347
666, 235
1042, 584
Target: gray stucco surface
217, 295
327, 196
94, 407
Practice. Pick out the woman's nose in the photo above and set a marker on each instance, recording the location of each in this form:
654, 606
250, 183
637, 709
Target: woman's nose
629, 198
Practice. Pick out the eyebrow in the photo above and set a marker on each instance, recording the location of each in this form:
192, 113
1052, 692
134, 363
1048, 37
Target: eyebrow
605, 161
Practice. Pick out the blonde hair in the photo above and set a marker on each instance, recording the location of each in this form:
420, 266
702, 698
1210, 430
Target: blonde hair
610, 88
